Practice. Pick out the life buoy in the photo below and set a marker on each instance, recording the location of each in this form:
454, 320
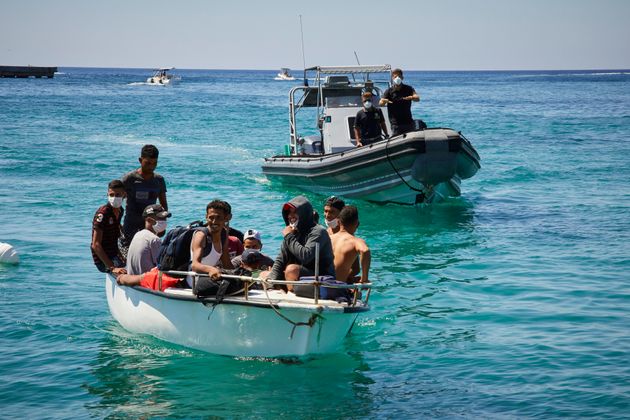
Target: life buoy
8, 254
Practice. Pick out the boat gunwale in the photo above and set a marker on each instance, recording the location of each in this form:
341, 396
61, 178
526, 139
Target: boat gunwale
237, 300
321, 165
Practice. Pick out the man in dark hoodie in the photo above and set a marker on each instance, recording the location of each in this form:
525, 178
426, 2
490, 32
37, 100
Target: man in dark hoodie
297, 252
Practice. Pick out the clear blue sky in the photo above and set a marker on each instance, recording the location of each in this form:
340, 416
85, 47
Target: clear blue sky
234, 34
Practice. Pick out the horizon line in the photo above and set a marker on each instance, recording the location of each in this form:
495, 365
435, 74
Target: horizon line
300, 69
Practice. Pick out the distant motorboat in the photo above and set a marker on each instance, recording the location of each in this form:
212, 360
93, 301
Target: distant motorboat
284, 75
162, 77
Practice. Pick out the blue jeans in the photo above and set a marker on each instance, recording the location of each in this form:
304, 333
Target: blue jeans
116, 260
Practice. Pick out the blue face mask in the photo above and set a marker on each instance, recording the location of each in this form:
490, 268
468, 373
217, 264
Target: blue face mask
367, 104
397, 81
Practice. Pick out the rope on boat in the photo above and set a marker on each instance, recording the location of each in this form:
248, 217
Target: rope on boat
265, 283
396, 170
311, 320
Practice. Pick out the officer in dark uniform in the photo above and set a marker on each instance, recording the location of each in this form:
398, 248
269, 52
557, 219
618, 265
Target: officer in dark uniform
369, 122
398, 100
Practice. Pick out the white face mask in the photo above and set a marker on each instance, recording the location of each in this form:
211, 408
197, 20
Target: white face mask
115, 202
332, 223
294, 224
367, 104
397, 80
160, 226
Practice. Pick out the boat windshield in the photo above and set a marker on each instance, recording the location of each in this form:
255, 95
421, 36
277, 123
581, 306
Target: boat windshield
343, 101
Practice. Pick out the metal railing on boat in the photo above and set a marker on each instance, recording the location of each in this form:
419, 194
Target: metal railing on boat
270, 283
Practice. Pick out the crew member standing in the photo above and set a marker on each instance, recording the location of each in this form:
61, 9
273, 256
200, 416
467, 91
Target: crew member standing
398, 100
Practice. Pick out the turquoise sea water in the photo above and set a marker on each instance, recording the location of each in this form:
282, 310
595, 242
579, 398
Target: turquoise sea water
510, 301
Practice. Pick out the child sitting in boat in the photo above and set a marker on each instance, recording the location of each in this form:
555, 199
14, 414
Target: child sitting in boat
253, 240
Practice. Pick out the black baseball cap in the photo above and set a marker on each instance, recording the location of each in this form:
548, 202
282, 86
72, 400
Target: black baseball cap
251, 256
155, 211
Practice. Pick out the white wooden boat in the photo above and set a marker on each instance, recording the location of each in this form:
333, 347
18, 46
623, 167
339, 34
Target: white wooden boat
265, 323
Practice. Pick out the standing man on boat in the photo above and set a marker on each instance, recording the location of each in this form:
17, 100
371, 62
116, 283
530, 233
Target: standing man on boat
369, 124
106, 231
398, 99
297, 252
144, 186
352, 255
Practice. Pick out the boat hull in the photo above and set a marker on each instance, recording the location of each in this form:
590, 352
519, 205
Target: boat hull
235, 327
421, 166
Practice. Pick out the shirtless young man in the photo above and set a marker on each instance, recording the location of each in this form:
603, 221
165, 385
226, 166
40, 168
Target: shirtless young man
349, 250
332, 207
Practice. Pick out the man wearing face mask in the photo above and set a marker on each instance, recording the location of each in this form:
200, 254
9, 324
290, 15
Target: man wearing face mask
297, 252
398, 100
369, 124
332, 207
145, 246
106, 231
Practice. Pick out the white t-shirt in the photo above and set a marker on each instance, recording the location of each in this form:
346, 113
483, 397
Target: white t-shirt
143, 252
212, 258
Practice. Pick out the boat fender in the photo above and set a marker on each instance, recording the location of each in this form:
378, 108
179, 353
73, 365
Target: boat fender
8, 254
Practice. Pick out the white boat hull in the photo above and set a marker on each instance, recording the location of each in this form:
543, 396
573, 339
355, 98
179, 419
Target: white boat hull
235, 327
158, 81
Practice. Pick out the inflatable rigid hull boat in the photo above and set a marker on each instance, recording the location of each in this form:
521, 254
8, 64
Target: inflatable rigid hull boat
421, 166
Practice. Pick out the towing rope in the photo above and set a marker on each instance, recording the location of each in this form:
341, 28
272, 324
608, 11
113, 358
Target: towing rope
396, 170
311, 320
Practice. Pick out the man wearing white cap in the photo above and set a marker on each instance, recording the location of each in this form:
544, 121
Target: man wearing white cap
252, 240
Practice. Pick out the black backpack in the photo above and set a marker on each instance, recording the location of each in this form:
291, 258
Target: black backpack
175, 249
174, 252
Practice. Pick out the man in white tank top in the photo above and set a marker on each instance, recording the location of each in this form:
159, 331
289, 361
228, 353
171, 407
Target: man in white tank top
207, 249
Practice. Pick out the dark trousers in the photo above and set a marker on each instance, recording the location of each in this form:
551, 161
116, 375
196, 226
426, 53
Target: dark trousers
402, 128
365, 142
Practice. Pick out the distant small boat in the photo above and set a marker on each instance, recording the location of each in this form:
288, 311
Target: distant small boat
284, 75
162, 77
